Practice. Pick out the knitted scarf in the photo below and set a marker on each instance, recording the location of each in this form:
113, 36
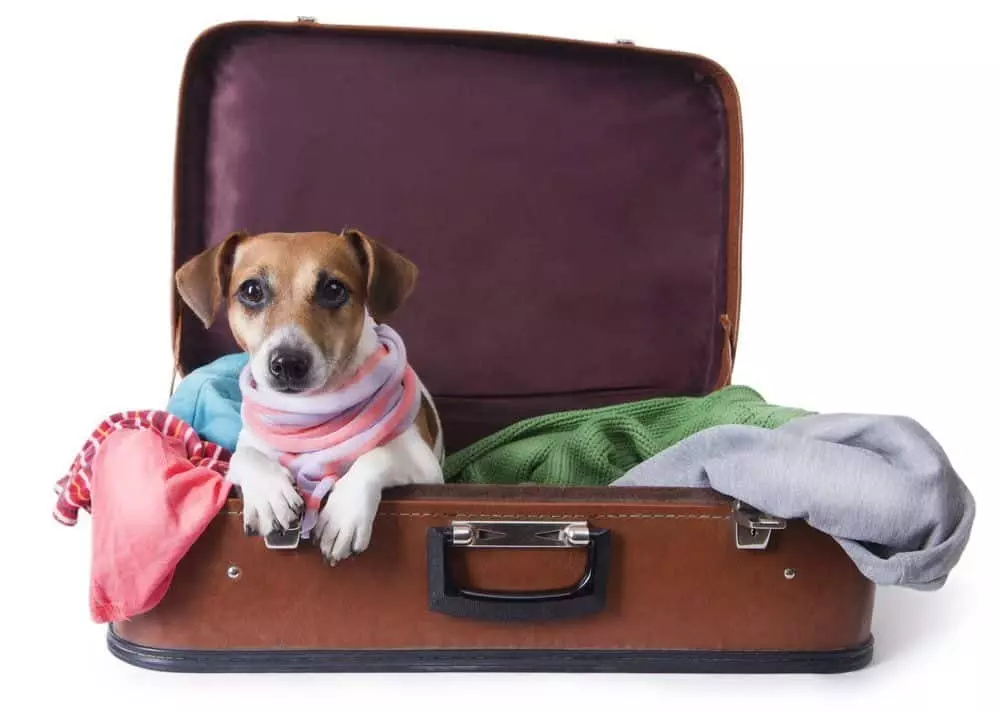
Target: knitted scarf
598, 446
318, 437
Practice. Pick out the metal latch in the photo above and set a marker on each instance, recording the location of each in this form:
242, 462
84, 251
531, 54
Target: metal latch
753, 528
511, 534
287, 540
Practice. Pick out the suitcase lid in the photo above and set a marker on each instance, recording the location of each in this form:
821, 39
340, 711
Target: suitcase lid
573, 207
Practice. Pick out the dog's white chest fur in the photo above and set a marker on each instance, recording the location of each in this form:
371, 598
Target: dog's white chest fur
344, 527
271, 501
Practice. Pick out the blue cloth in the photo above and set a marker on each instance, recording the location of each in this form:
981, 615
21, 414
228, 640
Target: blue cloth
209, 400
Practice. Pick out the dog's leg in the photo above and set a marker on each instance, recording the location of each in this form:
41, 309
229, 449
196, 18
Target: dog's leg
344, 526
270, 500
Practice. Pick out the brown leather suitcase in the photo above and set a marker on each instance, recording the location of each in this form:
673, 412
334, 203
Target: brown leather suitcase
574, 209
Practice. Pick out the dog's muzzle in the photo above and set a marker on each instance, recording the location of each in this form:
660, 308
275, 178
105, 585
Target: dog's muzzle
289, 369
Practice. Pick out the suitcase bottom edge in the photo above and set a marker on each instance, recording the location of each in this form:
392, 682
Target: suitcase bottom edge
489, 660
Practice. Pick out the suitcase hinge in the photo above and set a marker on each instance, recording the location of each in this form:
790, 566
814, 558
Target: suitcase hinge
753, 528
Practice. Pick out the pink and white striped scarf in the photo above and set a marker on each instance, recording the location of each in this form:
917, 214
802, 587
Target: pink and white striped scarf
318, 437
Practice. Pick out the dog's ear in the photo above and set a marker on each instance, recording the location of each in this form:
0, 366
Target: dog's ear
391, 277
204, 279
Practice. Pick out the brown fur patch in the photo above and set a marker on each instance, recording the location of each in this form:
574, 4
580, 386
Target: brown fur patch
426, 424
291, 265
203, 280
391, 277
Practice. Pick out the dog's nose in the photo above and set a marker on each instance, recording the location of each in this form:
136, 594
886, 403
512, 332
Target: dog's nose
289, 366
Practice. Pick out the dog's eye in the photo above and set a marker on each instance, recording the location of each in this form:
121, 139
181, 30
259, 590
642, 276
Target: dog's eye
252, 293
331, 293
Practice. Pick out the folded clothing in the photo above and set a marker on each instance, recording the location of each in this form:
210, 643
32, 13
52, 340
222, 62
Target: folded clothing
151, 486
596, 446
880, 485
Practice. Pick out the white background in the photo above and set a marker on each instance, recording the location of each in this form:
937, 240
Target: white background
871, 256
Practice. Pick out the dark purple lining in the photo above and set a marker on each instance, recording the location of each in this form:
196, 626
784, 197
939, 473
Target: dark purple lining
566, 205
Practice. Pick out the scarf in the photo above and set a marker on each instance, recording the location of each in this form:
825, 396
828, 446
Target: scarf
318, 437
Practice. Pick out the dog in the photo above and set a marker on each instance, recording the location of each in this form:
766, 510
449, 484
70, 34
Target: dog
309, 309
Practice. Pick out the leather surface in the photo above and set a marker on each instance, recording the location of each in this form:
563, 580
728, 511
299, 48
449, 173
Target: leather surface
676, 582
572, 196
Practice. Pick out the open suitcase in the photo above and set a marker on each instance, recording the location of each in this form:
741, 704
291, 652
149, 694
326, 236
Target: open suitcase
574, 209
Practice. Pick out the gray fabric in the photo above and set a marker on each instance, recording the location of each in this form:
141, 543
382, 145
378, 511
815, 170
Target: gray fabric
880, 485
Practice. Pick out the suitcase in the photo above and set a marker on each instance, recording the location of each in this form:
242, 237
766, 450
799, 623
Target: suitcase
574, 209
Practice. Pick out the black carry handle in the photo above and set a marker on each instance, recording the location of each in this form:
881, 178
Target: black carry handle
585, 597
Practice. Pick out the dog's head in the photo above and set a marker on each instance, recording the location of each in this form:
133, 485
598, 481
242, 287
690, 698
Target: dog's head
296, 302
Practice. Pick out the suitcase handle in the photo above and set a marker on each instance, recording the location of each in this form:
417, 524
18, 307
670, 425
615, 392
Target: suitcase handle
585, 597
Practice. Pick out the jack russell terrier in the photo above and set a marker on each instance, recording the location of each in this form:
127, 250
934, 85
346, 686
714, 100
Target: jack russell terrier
331, 407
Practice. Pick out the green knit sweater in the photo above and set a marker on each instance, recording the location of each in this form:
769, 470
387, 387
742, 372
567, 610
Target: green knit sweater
597, 446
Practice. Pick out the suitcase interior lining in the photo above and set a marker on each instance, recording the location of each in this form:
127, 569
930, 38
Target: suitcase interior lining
567, 204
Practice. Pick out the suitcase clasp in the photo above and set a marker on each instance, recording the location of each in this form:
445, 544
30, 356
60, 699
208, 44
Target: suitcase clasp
519, 534
753, 528
287, 540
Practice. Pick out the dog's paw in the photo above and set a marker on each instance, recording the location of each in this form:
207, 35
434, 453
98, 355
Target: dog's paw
270, 501
344, 525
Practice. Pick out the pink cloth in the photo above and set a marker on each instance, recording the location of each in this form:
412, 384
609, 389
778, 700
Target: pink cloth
151, 495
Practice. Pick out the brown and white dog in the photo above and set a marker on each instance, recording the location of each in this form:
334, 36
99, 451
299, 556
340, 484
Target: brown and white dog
304, 305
